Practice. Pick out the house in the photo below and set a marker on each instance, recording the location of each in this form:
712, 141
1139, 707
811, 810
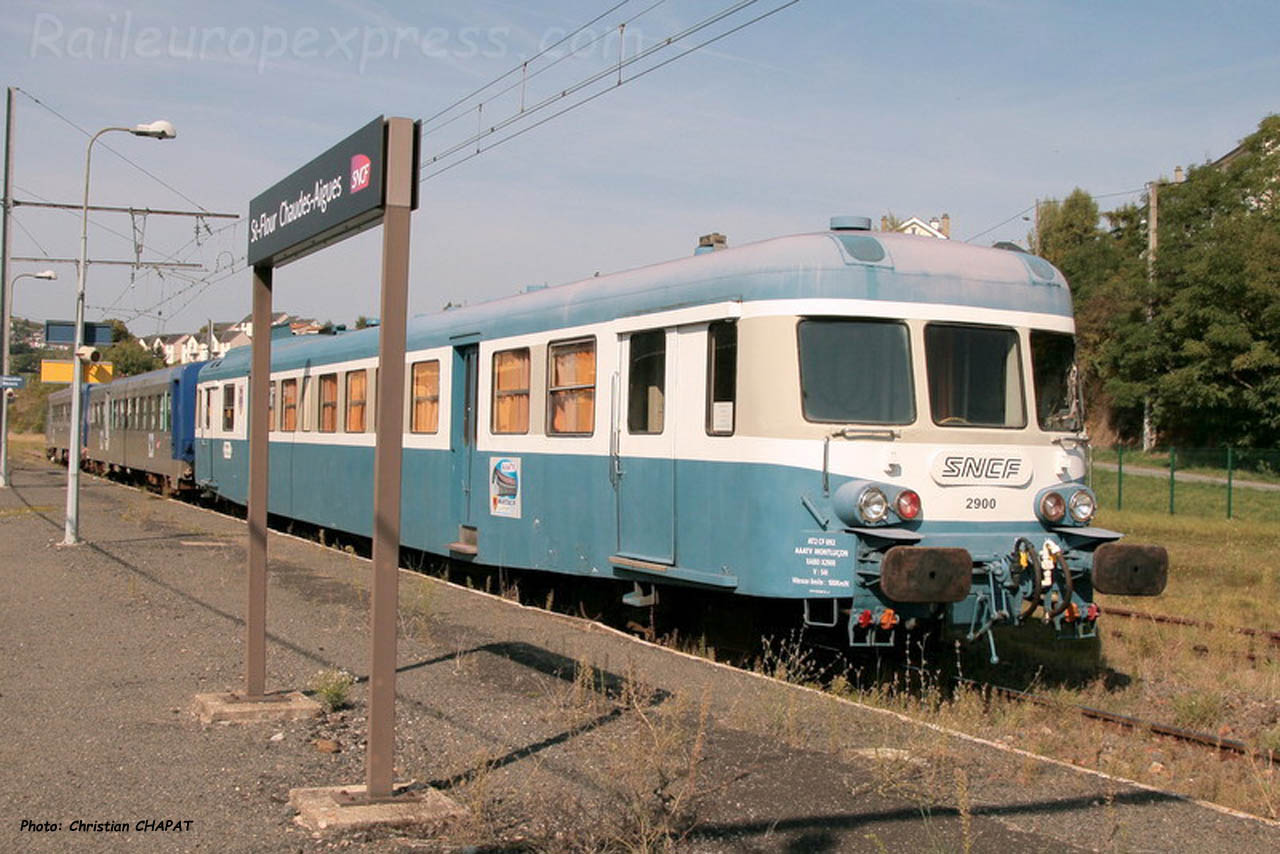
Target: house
229, 339
246, 325
938, 227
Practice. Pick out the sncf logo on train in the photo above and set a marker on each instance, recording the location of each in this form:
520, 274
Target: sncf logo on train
959, 468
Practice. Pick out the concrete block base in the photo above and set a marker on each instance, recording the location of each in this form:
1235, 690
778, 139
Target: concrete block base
215, 708
338, 808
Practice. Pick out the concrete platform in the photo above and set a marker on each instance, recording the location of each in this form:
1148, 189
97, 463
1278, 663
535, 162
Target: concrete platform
338, 808
234, 708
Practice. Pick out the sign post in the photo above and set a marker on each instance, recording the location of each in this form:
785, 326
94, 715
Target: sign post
368, 178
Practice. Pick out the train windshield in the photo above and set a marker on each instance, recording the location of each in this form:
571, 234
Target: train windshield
1053, 363
975, 376
856, 371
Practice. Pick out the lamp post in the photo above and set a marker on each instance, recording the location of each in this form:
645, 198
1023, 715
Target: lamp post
4, 367
71, 533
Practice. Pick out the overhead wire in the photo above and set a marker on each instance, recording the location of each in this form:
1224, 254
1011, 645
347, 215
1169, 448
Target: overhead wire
465, 98
1032, 207
95, 223
141, 169
608, 71
525, 78
611, 70
13, 219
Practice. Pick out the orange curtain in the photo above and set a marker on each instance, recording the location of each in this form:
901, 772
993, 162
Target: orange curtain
329, 403
426, 397
511, 391
357, 394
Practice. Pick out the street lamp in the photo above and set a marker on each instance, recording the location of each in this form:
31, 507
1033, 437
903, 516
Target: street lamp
4, 368
156, 130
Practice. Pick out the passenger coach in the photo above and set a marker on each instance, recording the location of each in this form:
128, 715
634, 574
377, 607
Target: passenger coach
876, 427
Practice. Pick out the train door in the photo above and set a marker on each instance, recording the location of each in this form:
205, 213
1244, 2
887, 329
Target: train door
644, 442
462, 429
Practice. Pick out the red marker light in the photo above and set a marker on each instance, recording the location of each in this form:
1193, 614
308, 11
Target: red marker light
864, 619
1091, 613
908, 504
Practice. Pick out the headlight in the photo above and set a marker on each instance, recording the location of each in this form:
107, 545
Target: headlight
873, 506
1052, 507
907, 504
1082, 506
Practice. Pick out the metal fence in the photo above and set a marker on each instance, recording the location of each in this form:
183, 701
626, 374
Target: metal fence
1231, 483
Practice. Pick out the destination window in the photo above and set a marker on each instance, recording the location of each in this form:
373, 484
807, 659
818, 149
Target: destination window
975, 376
289, 405
571, 388
425, 391
328, 403
722, 377
855, 371
646, 380
511, 391
357, 400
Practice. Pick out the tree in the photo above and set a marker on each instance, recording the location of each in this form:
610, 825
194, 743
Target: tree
1216, 300
362, 322
130, 357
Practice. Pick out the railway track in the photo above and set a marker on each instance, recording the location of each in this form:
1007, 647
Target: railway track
1266, 634
1215, 742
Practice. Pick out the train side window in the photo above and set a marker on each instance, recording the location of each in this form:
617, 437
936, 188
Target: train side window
208, 409
288, 405
426, 397
228, 407
328, 403
271, 406
167, 413
511, 391
646, 379
722, 377
571, 388
357, 399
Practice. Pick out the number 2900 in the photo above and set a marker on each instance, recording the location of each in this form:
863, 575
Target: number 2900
980, 504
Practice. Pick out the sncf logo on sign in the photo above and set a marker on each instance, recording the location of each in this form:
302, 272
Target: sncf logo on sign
361, 172
990, 466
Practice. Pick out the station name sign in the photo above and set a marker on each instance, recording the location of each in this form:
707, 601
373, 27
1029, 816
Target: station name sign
337, 194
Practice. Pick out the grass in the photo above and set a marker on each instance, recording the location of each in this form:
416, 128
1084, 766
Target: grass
332, 689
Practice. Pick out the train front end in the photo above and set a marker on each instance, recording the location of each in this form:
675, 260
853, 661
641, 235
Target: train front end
954, 467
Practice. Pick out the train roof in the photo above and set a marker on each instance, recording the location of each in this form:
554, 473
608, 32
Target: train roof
832, 265
124, 385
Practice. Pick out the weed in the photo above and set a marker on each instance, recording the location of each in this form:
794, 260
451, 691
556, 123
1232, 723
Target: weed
1199, 709
333, 689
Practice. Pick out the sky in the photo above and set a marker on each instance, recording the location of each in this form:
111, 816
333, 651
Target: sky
974, 108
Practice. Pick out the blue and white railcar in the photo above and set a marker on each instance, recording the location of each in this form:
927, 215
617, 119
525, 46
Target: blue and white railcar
877, 427
141, 425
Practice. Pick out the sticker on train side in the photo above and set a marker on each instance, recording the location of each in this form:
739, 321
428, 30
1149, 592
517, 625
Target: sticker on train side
504, 487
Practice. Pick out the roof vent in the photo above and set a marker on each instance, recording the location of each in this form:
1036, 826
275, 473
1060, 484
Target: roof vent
851, 223
711, 242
